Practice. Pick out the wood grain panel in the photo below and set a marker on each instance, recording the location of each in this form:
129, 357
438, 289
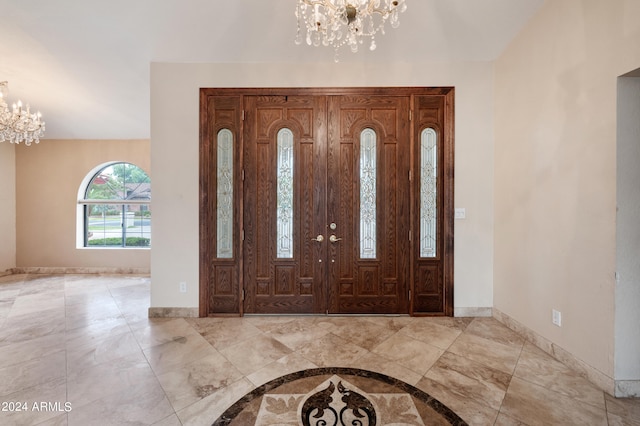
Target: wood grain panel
347, 119
390, 287
285, 283
368, 280
304, 117
263, 288
346, 289
307, 207
222, 115
428, 280
347, 210
224, 280
388, 121
389, 217
265, 216
306, 288
265, 118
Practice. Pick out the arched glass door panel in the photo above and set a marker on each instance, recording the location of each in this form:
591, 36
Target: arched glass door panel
368, 186
284, 238
428, 192
225, 195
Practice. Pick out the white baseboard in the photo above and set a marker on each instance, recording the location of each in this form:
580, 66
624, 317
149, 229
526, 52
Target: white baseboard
472, 312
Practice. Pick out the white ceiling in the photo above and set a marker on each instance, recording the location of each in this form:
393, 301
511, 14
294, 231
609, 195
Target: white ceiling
85, 63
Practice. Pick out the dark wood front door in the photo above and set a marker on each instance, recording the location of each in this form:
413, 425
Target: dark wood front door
337, 205
285, 204
368, 204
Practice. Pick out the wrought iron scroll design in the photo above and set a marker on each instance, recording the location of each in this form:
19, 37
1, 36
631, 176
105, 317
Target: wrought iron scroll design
341, 408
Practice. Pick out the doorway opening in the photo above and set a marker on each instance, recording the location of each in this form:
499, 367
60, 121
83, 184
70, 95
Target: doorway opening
627, 293
326, 201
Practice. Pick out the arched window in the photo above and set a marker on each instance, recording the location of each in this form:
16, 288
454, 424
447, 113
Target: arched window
113, 207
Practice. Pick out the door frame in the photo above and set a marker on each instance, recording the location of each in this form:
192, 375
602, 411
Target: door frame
226, 104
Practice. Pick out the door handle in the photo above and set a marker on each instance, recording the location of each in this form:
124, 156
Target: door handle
319, 238
333, 238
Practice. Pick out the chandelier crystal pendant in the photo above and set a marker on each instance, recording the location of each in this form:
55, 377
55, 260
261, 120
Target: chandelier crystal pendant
337, 23
18, 124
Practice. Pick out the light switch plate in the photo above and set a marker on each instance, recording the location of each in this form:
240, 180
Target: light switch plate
460, 213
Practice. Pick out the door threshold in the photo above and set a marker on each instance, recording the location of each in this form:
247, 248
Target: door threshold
328, 315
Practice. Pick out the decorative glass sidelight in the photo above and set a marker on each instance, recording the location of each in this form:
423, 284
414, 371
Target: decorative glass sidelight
368, 171
225, 194
284, 216
428, 192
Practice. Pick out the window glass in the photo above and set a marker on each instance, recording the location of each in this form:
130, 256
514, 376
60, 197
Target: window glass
116, 207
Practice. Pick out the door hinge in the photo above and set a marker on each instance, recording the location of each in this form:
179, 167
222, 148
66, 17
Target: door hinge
242, 175
409, 295
242, 115
410, 176
410, 115
242, 234
410, 235
242, 294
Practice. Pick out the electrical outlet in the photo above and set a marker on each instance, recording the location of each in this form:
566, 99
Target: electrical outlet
556, 317
183, 287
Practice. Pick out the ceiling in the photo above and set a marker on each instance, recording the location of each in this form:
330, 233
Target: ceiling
85, 64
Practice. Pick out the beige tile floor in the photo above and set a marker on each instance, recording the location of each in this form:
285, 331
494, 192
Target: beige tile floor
85, 340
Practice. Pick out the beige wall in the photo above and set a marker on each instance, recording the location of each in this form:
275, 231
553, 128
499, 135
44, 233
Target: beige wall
7, 207
48, 178
555, 172
174, 155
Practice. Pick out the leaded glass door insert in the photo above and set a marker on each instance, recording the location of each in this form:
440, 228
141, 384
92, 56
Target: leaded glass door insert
428, 192
368, 189
224, 210
284, 194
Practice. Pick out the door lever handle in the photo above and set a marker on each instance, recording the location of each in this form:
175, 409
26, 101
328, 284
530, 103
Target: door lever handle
333, 238
319, 238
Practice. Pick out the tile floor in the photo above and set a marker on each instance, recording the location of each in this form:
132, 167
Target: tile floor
85, 341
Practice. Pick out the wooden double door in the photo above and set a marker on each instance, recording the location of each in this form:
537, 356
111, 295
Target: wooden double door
309, 202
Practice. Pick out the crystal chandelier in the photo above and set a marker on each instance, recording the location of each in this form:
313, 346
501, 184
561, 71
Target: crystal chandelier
346, 22
18, 124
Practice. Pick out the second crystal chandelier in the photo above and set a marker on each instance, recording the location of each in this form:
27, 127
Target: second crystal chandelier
337, 23
18, 124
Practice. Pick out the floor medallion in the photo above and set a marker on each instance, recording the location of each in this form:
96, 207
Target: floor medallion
338, 396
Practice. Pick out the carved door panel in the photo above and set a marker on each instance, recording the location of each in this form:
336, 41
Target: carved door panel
284, 204
368, 203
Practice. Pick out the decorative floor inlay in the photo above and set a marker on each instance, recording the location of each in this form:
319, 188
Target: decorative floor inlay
338, 396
